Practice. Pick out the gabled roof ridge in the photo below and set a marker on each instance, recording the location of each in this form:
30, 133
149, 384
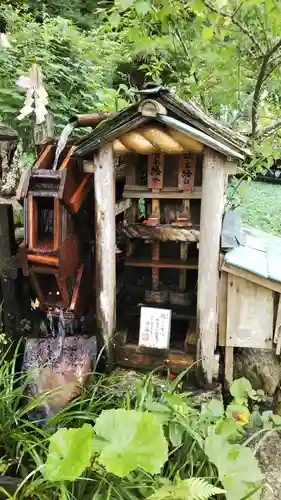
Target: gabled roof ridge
194, 111
130, 118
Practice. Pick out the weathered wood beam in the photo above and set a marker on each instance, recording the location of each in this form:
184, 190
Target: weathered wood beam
105, 247
228, 367
165, 194
163, 232
277, 329
91, 119
122, 205
222, 307
134, 356
208, 276
254, 278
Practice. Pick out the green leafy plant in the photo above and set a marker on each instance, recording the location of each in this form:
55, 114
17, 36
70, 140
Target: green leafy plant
64, 463
129, 439
237, 467
205, 442
189, 489
146, 439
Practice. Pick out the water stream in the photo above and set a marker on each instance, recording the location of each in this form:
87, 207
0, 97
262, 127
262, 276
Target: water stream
59, 362
61, 332
62, 141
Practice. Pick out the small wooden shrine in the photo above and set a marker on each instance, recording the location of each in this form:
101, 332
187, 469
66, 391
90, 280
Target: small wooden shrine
176, 161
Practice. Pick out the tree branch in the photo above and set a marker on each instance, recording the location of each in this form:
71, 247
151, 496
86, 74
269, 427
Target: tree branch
195, 75
273, 68
269, 129
259, 82
237, 23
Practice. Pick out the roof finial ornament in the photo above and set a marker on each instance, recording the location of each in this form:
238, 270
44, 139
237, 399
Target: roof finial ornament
150, 85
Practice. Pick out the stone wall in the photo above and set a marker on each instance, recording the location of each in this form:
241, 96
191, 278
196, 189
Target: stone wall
11, 167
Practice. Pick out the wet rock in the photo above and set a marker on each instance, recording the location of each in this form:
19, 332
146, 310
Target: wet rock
269, 457
261, 367
17, 209
10, 484
58, 367
200, 397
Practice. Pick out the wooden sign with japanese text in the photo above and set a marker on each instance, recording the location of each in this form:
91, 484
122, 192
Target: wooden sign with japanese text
186, 172
155, 328
155, 171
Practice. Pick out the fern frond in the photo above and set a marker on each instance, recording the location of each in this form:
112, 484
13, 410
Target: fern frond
200, 489
189, 489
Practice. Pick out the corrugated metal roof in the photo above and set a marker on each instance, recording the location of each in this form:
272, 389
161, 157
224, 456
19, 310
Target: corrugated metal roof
259, 254
200, 136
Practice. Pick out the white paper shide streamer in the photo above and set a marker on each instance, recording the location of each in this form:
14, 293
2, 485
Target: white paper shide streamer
36, 95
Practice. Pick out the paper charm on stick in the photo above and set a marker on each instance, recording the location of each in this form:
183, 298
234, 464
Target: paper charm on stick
36, 95
4, 42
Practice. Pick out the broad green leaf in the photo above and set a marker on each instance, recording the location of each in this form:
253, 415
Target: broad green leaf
114, 18
207, 33
178, 403
142, 6
131, 439
276, 419
161, 411
266, 416
189, 489
241, 389
237, 466
175, 434
213, 409
198, 5
228, 428
256, 419
70, 452
221, 3
123, 4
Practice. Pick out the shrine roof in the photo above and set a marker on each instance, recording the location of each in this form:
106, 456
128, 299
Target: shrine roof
171, 111
7, 133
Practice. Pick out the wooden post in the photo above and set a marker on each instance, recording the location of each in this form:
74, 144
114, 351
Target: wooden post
212, 205
105, 247
155, 270
183, 256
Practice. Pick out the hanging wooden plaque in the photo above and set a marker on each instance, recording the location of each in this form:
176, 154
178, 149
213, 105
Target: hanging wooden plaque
186, 172
155, 171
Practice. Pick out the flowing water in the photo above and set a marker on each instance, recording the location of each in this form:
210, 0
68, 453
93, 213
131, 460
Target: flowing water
61, 332
62, 142
59, 363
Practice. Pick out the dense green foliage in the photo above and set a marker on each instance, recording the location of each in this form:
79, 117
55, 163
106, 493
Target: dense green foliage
224, 54
78, 70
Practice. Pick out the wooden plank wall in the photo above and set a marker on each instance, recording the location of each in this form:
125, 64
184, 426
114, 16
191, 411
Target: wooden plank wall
249, 314
246, 317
